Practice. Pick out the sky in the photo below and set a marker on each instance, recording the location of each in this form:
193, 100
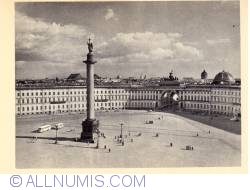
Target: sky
129, 38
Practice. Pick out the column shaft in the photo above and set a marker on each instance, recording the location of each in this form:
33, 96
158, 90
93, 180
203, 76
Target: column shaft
90, 91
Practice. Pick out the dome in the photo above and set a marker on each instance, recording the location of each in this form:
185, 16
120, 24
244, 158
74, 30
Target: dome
223, 78
204, 74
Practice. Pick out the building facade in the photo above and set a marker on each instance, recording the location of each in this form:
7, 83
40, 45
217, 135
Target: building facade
211, 99
223, 96
219, 99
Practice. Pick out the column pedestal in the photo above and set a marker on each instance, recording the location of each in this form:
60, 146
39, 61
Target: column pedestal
89, 126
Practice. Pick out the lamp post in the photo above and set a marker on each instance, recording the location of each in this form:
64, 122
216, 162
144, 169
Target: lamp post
121, 129
98, 137
56, 134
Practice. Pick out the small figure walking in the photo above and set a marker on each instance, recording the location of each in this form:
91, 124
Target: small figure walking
109, 150
105, 146
209, 132
197, 134
171, 144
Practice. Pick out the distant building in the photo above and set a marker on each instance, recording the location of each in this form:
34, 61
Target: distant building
188, 80
221, 97
238, 81
223, 78
76, 77
204, 75
170, 81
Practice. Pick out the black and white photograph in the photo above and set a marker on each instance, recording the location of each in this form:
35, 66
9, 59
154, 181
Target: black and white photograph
147, 84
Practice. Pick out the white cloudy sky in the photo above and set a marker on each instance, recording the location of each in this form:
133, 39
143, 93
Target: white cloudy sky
130, 38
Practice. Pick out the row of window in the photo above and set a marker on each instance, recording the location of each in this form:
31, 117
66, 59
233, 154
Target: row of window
213, 107
213, 99
69, 92
145, 92
71, 99
97, 105
214, 92
142, 104
195, 98
57, 107
49, 93
144, 97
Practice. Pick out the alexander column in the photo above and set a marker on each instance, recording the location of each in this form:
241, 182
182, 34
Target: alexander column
90, 124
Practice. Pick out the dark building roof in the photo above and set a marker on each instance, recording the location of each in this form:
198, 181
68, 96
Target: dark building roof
75, 76
97, 76
204, 74
223, 78
170, 81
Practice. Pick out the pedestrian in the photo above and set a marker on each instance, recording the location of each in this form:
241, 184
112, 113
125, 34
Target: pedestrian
115, 137
192, 148
109, 150
209, 132
197, 134
33, 139
171, 144
105, 147
132, 140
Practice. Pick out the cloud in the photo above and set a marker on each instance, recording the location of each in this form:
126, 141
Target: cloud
110, 15
218, 41
147, 47
187, 51
50, 41
47, 49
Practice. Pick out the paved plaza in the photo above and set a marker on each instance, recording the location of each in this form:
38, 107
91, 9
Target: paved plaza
145, 145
